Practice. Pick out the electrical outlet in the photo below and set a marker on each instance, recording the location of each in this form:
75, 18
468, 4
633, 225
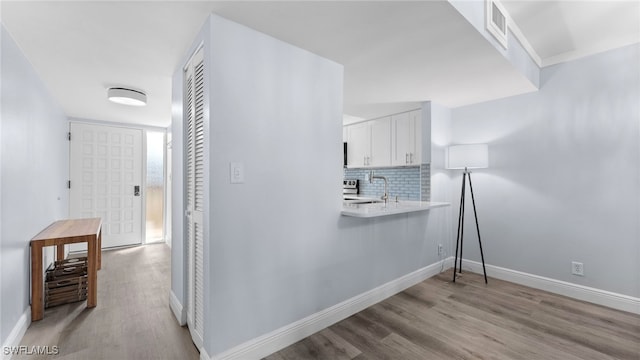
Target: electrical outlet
440, 249
577, 268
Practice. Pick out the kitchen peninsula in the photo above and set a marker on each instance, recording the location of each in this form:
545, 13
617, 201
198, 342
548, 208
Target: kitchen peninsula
376, 209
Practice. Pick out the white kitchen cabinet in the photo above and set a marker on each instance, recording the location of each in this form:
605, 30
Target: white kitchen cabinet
406, 138
358, 144
380, 142
415, 156
394, 140
369, 143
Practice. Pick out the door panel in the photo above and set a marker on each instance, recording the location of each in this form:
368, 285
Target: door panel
358, 144
381, 142
416, 123
194, 104
401, 134
105, 168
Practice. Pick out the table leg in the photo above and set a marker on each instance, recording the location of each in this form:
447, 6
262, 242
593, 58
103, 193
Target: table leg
37, 307
60, 253
92, 272
99, 248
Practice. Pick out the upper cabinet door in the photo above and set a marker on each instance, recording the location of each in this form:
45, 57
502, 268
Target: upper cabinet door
415, 155
402, 143
406, 138
358, 144
380, 142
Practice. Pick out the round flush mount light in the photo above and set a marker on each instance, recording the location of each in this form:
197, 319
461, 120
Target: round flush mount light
127, 96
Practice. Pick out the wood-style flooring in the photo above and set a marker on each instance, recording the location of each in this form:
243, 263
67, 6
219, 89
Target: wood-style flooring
132, 320
435, 319
438, 319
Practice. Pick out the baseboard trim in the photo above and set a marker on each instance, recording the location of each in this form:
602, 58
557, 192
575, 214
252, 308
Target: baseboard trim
177, 309
601, 297
16, 334
278, 339
203, 354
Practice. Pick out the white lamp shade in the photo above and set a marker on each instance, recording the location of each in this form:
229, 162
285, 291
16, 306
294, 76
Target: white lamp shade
473, 156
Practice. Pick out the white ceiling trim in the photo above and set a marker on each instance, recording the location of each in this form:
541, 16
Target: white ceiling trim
518, 35
579, 53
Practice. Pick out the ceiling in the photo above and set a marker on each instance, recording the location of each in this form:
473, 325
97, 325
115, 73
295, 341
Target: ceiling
560, 31
396, 54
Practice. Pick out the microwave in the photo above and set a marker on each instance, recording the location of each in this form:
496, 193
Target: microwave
344, 146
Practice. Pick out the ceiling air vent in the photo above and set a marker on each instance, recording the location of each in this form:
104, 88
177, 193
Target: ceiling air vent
497, 21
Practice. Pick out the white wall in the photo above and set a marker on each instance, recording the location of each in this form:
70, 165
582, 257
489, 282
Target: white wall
274, 248
34, 169
278, 249
178, 277
564, 177
169, 188
441, 190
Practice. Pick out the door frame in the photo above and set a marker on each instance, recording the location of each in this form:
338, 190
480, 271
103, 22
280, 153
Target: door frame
144, 129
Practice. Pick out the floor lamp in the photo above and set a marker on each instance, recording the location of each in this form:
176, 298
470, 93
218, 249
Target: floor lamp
475, 156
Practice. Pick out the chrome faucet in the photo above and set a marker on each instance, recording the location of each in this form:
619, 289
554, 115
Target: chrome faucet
385, 196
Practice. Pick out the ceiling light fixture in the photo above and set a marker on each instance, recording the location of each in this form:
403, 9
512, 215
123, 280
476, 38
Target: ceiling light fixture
127, 96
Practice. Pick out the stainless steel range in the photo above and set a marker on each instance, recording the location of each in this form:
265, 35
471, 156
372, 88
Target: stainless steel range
349, 187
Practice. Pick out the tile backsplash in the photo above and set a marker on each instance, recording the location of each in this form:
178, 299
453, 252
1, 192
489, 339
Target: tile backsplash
407, 183
425, 182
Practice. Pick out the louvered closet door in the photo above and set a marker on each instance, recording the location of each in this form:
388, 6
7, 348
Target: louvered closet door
194, 146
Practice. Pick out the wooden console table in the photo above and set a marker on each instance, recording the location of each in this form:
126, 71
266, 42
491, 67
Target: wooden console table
59, 234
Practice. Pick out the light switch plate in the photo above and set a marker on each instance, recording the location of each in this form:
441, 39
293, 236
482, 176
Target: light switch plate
236, 173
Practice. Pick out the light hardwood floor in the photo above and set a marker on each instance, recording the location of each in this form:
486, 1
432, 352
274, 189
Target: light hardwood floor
132, 320
435, 319
438, 319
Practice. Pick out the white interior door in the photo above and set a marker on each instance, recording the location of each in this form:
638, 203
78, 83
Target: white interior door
106, 181
194, 149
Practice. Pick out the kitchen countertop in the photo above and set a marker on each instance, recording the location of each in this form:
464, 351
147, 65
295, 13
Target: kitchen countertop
355, 199
390, 208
